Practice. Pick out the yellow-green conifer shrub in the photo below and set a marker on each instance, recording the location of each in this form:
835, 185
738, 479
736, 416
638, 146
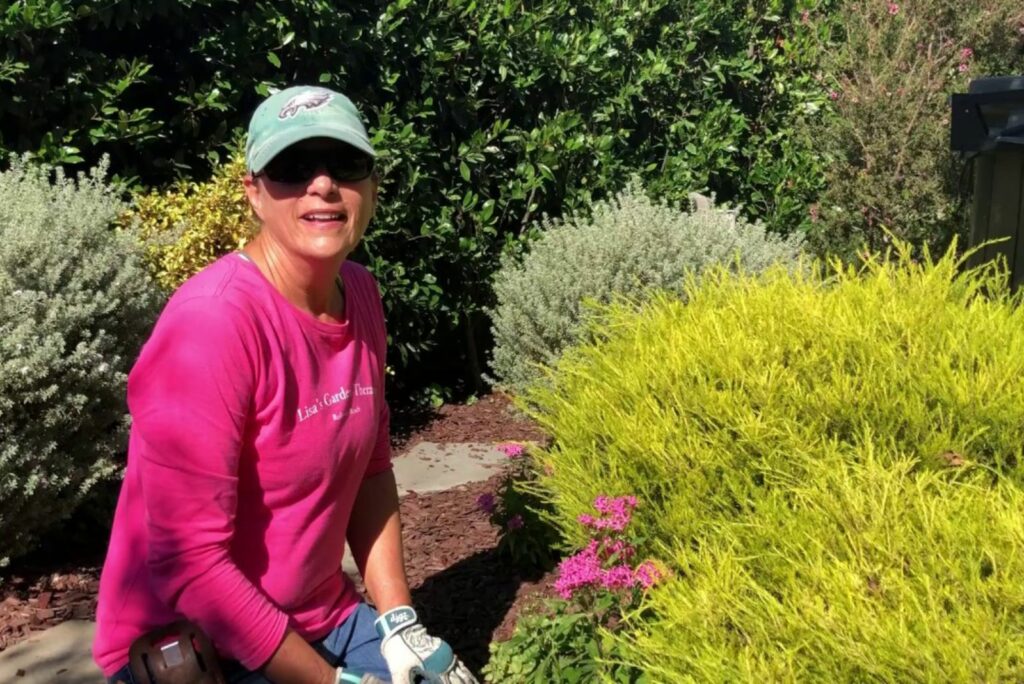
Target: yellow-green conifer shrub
853, 567
829, 460
189, 226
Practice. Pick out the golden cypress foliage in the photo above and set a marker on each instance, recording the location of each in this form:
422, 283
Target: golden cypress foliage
192, 224
829, 459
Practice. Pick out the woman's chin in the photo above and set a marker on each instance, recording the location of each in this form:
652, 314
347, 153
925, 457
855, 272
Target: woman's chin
329, 248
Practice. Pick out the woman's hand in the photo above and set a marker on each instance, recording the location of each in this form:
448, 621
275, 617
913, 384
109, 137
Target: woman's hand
413, 655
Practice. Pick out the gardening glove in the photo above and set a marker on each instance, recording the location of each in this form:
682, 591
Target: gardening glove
413, 656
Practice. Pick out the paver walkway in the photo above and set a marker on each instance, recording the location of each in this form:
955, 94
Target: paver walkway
62, 654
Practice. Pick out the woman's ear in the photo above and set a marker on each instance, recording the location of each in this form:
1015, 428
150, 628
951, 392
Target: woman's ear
252, 192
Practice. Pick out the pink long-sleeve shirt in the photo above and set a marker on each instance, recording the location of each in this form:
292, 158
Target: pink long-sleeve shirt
253, 426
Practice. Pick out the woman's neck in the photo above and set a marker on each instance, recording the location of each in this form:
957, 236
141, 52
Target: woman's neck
311, 286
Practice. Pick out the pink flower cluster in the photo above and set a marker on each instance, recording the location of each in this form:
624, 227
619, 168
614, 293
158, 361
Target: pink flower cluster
605, 562
617, 513
894, 8
511, 449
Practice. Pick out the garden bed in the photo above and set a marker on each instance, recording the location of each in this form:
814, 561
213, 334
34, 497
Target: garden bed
463, 591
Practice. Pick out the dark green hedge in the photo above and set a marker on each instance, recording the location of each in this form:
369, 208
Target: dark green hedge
490, 114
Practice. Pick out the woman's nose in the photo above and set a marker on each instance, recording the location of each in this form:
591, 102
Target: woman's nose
322, 182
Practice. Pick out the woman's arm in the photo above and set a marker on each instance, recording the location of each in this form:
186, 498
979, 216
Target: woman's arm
189, 396
296, 662
375, 537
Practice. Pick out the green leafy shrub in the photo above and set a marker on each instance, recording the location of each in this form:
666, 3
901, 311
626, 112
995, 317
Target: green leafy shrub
892, 67
527, 538
628, 244
831, 464
560, 644
75, 304
487, 115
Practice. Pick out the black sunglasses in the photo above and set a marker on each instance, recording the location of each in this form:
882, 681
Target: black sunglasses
297, 165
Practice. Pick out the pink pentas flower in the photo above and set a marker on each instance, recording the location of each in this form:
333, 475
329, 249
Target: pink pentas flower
515, 522
511, 449
617, 577
606, 561
966, 53
577, 571
963, 67
894, 8
584, 570
833, 95
486, 502
617, 512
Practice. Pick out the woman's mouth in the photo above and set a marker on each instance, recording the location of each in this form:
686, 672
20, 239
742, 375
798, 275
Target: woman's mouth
325, 219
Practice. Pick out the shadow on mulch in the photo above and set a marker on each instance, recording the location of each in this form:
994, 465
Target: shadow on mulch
80, 541
406, 421
467, 603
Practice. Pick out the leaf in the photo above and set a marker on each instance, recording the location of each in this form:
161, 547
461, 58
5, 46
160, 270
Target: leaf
487, 211
464, 171
274, 59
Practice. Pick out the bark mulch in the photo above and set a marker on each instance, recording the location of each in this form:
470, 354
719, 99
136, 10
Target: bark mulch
492, 418
463, 591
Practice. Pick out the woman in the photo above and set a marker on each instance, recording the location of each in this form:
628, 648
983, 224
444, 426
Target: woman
259, 436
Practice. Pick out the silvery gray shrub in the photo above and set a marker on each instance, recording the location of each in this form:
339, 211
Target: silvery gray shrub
76, 302
626, 245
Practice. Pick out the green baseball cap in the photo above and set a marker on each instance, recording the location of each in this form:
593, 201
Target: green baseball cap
299, 113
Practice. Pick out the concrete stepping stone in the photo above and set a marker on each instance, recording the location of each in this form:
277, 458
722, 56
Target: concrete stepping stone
59, 655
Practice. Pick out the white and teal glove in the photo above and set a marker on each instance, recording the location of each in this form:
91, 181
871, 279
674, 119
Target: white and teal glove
415, 657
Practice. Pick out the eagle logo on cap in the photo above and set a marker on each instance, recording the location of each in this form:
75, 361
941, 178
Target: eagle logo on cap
310, 100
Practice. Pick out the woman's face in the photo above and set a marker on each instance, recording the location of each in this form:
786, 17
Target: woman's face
318, 217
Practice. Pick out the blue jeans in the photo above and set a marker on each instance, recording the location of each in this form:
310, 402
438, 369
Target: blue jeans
353, 644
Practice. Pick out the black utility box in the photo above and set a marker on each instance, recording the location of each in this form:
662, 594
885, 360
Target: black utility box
988, 124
